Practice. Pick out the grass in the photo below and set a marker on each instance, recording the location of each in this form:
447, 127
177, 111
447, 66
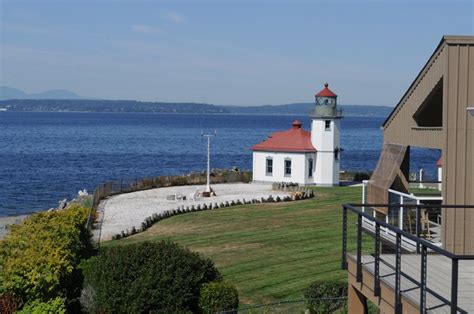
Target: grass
425, 191
269, 251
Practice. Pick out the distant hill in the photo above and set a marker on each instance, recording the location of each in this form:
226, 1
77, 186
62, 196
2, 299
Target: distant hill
85, 105
63, 100
303, 109
13, 93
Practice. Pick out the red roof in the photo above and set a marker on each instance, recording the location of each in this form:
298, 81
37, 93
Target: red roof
326, 92
295, 139
439, 163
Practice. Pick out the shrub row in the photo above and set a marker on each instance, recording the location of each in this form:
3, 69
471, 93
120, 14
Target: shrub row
217, 297
147, 277
39, 257
326, 296
151, 220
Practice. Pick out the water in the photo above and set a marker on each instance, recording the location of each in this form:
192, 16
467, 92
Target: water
45, 157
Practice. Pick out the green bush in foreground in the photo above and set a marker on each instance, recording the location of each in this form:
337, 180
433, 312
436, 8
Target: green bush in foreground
53, 306
326, 296
39, 257
146, 277
217, 297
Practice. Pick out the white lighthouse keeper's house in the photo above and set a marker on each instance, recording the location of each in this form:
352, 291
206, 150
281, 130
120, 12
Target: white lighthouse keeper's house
299, 156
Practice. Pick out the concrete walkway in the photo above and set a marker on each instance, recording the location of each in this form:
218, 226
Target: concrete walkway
125, 211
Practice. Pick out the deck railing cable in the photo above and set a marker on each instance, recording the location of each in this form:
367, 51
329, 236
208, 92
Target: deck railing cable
422, 246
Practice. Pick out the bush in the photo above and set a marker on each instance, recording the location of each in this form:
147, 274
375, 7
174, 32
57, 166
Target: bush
53, 306
39, 258
361, 176
323, 296
144, 277
217, 297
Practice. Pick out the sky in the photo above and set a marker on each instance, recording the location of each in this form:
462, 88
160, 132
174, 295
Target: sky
225, 52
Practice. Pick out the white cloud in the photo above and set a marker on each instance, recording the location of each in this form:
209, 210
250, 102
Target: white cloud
175, 17
147, 29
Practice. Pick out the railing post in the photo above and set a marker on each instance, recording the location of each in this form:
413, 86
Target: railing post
454, 285
359, 248
418, 227
377, 261
398, 262
344, 238
424, 265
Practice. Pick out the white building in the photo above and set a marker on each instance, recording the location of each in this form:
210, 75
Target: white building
300, 156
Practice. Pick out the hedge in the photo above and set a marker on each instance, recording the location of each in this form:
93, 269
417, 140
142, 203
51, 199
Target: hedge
145, 277
326, 296
217, 297
39, 257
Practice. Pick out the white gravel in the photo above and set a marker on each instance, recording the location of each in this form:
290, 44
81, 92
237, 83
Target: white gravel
124, 211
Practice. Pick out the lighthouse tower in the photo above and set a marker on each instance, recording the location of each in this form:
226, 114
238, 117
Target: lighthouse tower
325, 137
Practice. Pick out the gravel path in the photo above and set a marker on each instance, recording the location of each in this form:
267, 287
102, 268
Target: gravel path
124, 211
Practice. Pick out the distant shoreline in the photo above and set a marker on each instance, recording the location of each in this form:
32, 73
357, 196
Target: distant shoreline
189, 113
133, 106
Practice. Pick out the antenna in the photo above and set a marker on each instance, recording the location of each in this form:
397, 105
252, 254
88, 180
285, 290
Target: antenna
208, 135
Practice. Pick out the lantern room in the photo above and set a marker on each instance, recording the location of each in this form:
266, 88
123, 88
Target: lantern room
326, 104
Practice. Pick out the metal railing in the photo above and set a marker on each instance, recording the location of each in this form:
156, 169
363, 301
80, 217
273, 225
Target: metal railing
422, 249
329, 113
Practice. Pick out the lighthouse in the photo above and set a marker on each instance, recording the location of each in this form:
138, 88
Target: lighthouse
300, 156
325, 137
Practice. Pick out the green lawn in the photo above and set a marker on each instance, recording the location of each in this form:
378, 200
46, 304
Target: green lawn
425, 191
269, 251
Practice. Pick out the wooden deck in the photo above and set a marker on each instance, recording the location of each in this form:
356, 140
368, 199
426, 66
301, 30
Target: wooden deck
438, 279
407, 244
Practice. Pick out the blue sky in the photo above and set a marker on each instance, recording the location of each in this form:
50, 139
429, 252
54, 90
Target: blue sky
224, 52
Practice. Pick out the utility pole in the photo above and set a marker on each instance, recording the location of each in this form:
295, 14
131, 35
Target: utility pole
208, 184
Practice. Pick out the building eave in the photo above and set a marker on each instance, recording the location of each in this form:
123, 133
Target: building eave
283, 150
446, 40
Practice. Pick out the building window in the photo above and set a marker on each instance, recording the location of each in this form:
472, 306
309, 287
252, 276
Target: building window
269, 166
327, 125
310, 168
287, 167
336, 153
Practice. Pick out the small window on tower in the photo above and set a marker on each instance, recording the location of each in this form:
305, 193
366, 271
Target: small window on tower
287, 167
269, 166
310, 168
327, 125
336, 153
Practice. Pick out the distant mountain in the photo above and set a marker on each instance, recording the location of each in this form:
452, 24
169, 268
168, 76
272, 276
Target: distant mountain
303, 109
13, 93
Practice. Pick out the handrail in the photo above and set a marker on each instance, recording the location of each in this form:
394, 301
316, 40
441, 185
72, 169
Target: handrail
420, 243
414, 238
411, 205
